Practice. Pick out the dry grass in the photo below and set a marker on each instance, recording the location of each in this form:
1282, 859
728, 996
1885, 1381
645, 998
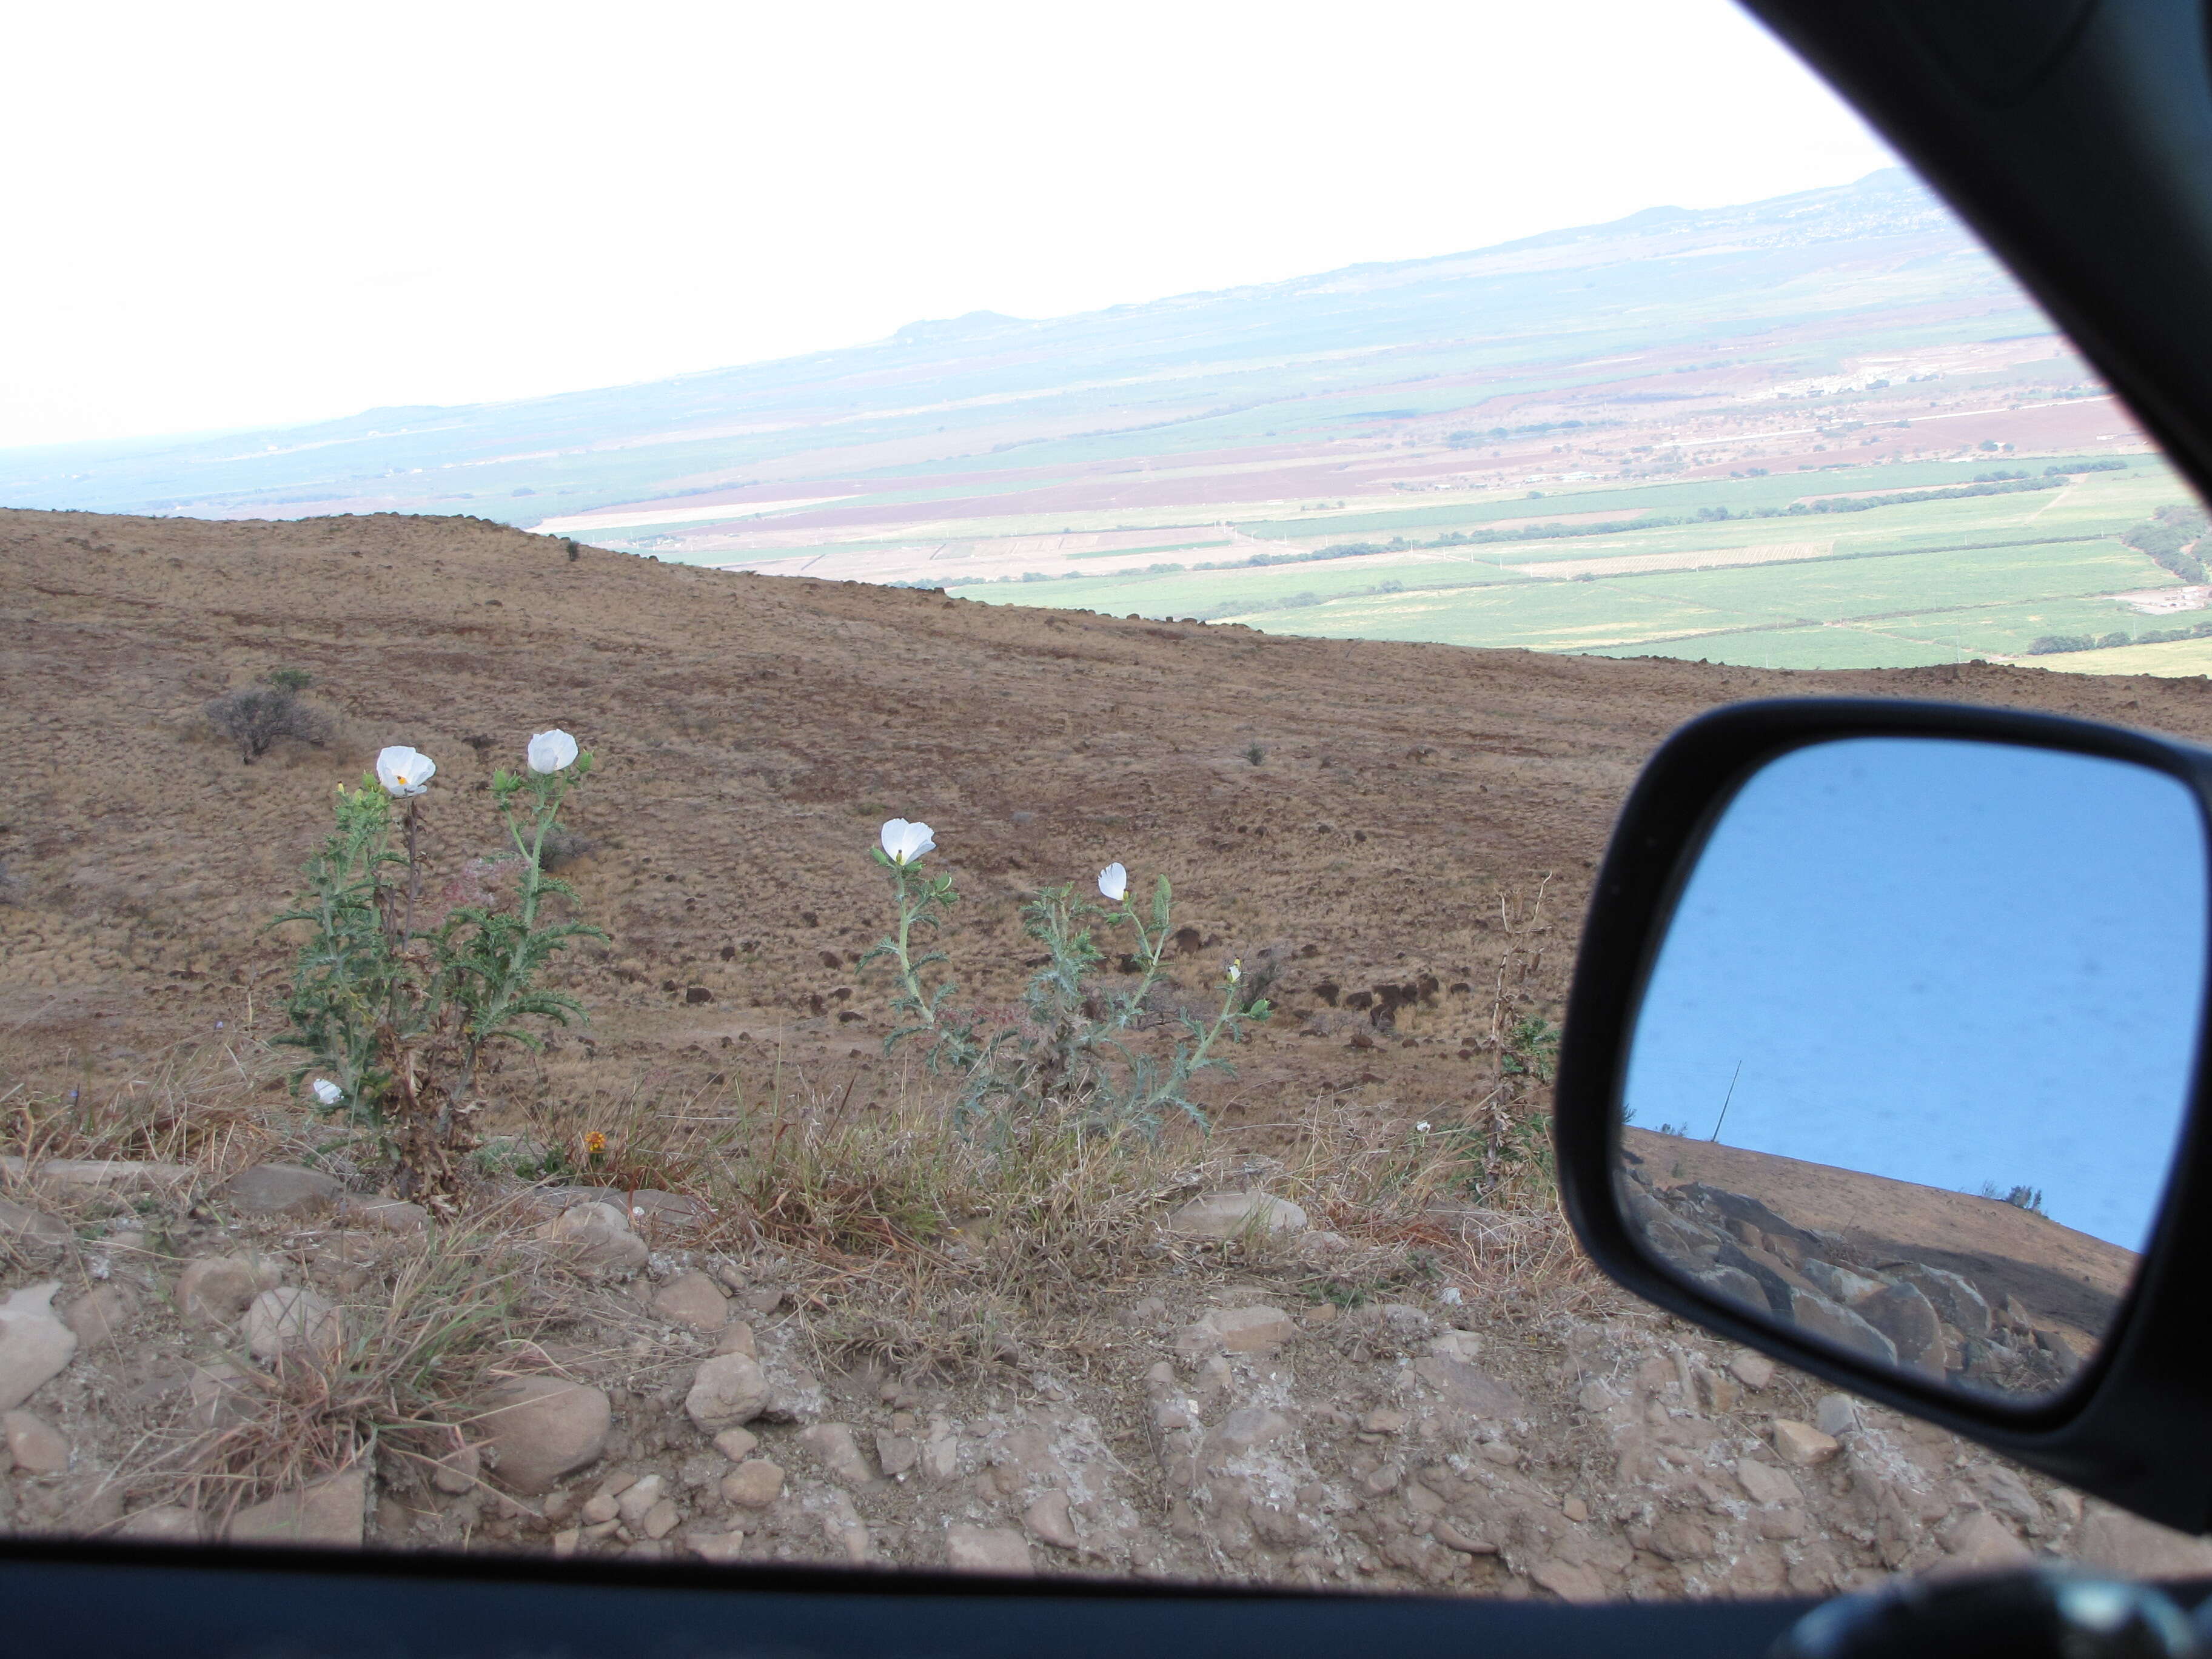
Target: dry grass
429, 1321
193, 1104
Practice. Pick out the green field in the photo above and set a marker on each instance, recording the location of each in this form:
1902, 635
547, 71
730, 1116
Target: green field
1905, 583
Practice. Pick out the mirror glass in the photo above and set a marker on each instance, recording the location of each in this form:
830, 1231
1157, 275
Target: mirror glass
1913, 1057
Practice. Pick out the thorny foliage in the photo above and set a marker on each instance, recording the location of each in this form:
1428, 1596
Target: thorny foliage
1071, 1056
398, 1018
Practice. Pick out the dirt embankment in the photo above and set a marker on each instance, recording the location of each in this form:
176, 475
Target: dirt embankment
1372, 821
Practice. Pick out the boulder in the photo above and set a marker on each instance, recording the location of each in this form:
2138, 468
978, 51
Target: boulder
1957, 1303
392, 1215
754, 1484
694, 1300
839, 1450
985, 1549
1802, 1445
327, 1514
1831, 1321
1908, 1319
300, 1323
544, 1427
1236, 1330
35, 1346
284, 1189
100, 1314
215, 1290
37, 1447
595, 1235
729, 1391
1231, 1215
33, 1233
1050, 1519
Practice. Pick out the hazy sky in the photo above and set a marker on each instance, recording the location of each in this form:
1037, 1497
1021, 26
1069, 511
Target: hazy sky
1945, 962
231, 213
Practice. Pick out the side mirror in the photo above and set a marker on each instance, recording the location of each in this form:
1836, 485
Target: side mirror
1884, 1056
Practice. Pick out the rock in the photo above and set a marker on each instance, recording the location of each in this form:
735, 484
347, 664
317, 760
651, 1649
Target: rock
328, 1515
2008, 1494
638, 1499
729, 1390
1979, 1542
985, 1549
222, 1396
2130, 1546
165, 1523
99, 1172
895, 1454
720, 1548
37, 1447
294, 1322
458, 1471
1383, 1419
1908, 1319
1802, 1445
1247, 1428
542, 1428
1816, 1315
1840, 1284
35, 1346
1050, 1519
33, 1233
1956, 1302
1236, 1330
392, 1215
1569, 1581
1468, 1390
1751, 1369
1454, 1535
1465, 1346
839, 1452
1836, 1414
214, 1290
1766, 1484
1228, 1215
100, 1314
595, 1235
754, 1484
736, 1444
738, 1338
1734, 1285
284, 1189
693, 1299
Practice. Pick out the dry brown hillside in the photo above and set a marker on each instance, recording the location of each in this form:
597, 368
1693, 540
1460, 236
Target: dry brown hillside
1378, 820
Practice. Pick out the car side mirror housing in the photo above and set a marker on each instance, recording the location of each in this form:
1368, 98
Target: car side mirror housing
1885, 1056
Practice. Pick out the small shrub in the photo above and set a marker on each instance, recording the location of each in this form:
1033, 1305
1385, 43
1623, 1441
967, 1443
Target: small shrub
255, 717
1256, 755
398, 1018
1065, 1057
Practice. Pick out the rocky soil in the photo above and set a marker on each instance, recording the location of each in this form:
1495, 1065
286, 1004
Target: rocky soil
1442, 1402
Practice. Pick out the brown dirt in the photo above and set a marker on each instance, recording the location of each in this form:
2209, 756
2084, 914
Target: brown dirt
1411, 801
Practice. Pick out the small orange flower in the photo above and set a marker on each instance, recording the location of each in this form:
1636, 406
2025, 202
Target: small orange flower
594, 1144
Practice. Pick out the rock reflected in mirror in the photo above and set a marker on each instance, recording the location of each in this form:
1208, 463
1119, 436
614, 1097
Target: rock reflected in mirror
1910, 1069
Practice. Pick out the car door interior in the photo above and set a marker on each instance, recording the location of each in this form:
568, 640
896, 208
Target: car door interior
2075, 137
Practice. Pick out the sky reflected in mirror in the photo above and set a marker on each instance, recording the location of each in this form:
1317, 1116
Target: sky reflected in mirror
1970, 966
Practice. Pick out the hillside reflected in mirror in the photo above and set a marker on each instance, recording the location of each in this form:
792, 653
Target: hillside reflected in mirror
1911, 1066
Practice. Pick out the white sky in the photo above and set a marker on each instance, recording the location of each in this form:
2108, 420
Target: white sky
229, 214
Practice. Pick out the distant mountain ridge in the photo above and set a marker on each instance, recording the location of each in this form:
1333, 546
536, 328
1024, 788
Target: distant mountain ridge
985, 392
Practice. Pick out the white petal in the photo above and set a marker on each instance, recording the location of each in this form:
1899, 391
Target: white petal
1113, 881
327, 1091
893, 836
552, 750
919, 840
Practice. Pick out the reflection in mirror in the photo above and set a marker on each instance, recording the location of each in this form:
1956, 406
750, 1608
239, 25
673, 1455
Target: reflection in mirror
1915, 1050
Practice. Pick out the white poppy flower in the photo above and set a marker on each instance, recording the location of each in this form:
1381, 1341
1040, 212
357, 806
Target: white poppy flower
1236, 970
1113, 881
552, 750
904, 842
404, 771
1420, 1128
327, 1091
